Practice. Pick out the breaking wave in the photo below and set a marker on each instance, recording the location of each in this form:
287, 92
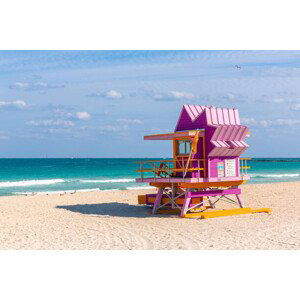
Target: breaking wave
5, 184
107, 180
55, 192
275, 175
140, 187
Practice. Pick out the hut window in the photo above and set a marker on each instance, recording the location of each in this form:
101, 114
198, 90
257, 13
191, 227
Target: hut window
184, 147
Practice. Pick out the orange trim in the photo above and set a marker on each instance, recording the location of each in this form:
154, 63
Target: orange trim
204, 155
162, 184
141, 199
173, 135
178, 200
197, 185
174, 148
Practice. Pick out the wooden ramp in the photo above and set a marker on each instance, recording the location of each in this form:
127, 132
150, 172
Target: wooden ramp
225, 212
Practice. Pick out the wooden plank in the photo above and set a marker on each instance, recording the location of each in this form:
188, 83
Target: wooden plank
160, 184
262, 210
141, 199
226, 212
219, 213
178, 201
173, 135
211, 184
174, 211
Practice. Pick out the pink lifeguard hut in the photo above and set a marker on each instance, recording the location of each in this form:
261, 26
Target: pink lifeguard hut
206, 165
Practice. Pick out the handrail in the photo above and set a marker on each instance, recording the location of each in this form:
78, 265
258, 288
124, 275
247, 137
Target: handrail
172, 169
180, 165
164, 160
243, 165
171, 166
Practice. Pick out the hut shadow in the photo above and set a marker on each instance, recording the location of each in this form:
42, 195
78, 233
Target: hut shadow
114, 209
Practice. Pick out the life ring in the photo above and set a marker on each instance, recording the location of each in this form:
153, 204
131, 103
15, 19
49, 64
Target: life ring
160, 169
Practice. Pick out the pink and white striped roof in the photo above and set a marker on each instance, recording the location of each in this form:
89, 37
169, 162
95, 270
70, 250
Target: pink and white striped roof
214, 115
225, 134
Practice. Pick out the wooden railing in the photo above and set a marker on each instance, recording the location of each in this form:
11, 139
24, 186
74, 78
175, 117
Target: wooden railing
180, 167
243, 165
171, 168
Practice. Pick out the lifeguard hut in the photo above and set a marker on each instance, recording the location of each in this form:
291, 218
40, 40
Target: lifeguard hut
206, 166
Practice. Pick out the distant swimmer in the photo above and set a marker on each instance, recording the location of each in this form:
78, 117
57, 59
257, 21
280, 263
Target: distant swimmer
238, 67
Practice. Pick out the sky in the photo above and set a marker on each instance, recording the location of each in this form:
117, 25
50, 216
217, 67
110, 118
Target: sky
102, 103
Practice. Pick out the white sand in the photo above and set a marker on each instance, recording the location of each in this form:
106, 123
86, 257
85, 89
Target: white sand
113, 220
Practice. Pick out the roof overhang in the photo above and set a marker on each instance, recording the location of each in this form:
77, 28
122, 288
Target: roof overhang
174, 135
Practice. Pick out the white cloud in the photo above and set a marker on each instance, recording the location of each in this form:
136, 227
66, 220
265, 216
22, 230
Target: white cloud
33, 86
279, 122
80, 115
276, 100
130, 121
182, 95
296, 106
107, 128
51, 123
266, 123
83, 115
111, 94
112, 128
122, 126
270, 123
248, 121
19, 85
18, 104
173, 96
286, 122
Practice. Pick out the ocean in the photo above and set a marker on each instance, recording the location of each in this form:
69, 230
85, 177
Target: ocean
57, 175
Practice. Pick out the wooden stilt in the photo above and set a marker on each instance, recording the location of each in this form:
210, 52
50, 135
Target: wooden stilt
238, 197
186, 203
157, 200
210, 202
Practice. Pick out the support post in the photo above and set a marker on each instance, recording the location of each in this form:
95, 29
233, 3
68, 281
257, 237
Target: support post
238, 197
157, 200
174, 191
210, 202
186, 203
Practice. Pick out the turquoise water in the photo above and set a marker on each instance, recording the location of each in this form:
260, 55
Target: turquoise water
19, 176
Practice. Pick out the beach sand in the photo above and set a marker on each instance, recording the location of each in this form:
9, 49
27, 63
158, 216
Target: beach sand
113, 220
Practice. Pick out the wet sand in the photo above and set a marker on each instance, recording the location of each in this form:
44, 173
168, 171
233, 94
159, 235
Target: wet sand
114, 220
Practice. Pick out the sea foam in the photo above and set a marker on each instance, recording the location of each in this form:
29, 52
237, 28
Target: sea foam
275, 175
5, 184
108, 180
56, 192
140, 187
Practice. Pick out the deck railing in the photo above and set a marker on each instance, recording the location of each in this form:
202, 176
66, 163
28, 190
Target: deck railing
171, 168
243, 165
179, 168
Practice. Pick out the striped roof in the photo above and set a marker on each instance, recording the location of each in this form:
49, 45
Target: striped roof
214, 115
